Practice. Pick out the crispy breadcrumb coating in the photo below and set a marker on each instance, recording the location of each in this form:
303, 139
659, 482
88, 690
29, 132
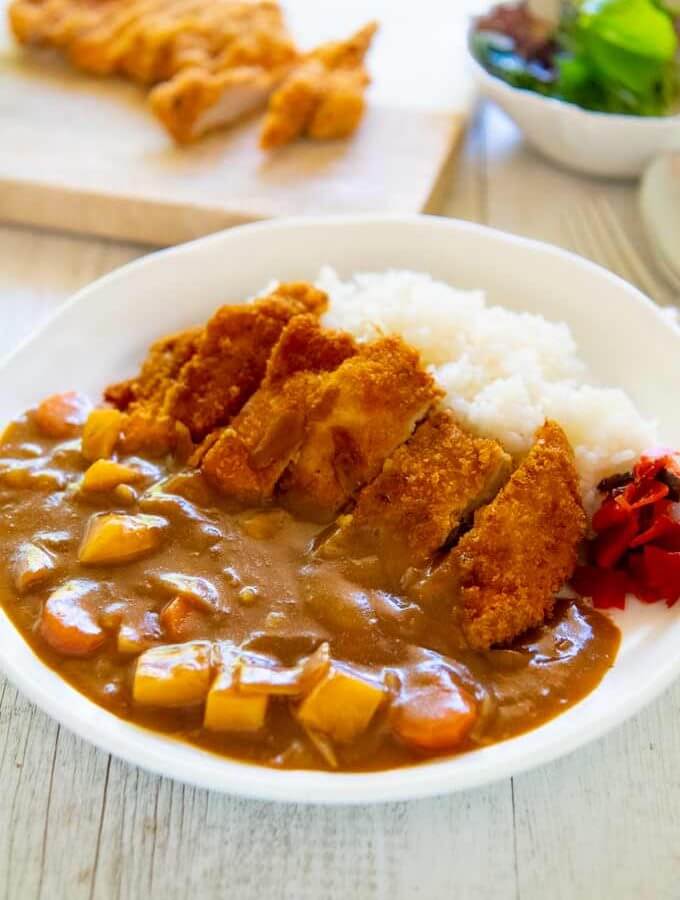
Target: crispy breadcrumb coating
323, 97
161, 366
153, 40
231, 357
364, 411
523, 545
196, 101
425, 492
211, 62
249, 456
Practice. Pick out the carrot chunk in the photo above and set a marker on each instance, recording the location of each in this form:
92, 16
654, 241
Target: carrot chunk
62, 415
435, 716
68, 622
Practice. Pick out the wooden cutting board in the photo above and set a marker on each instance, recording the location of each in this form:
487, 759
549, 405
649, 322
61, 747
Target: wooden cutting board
84, 154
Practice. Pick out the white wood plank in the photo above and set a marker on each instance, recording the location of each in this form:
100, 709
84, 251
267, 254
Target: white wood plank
605, 821
217, 846
28, 748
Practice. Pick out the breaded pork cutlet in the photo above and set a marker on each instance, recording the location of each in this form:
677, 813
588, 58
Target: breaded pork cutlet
523, 545
52, 23
162, 365
141, 398
323, 97
364, 410
213, 36
249, 456
152, 40
426, 491
211, 90
231, 357
196, 101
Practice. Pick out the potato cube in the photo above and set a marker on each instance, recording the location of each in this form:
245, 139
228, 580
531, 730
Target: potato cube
173, 675
31, 565
120, 537
227, 709
125, 494
100, 433
69, 623
26, 473
341, 705
105, 475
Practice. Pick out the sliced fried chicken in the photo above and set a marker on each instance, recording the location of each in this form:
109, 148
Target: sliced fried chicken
523, 545
247, 459
364, 411
142, 398
161, 366
152, 40
323, 97
197, 101
426, 492
212, 61
231, 357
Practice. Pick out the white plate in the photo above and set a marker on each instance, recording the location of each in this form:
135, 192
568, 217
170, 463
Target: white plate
101, 334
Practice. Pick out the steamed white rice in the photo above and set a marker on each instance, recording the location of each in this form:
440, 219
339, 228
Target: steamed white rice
504, 373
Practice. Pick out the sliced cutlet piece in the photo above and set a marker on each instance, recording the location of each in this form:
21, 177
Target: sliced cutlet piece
249, 456
523, 545
231, 357
145, 427
196, 100
213, 36
99, 46
426, 492
221, 79
143, 52
323, 96
51, 23
364, 411
162, 365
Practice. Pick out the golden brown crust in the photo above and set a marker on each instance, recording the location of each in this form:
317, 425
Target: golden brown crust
249, 456
523, 545
162, 365
365, 410
145, 427
196, 101
231, 357
431, 483
323, 97
152, 40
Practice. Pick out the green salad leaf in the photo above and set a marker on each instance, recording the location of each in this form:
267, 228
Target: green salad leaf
635, 26
617, 56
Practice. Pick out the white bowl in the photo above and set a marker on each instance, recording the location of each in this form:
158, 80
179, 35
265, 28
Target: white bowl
101, 335
604, 144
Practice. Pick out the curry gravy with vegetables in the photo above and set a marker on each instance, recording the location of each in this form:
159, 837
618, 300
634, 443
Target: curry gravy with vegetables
231, 583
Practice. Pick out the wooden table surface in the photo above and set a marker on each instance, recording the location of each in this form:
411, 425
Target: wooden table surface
602, 823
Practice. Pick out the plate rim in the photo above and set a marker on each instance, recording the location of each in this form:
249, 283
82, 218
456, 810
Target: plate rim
140, 747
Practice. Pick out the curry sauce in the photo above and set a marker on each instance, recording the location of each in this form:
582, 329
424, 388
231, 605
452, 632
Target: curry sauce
250, 582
